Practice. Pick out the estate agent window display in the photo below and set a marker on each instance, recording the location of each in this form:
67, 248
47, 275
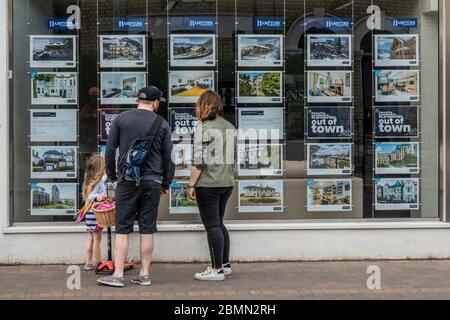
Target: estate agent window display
352, 112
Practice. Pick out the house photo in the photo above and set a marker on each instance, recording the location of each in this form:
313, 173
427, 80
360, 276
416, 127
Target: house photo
261, 196
53, 88
54, 162
260, 87
397, 50
259, 50
179, 201
329, 50
190, 50
53, 51
120, 51
397, 194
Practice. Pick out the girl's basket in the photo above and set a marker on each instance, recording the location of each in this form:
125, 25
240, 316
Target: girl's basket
105, 213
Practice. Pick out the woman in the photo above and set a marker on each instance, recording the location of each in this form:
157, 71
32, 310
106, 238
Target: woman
212, 180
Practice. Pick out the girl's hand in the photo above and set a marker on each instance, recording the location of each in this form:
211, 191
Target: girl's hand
191, 194
100, 198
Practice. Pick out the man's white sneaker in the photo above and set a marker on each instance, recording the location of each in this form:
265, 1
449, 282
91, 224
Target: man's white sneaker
210, 275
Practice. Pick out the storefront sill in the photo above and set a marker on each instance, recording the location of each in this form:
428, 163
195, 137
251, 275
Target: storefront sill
247, 226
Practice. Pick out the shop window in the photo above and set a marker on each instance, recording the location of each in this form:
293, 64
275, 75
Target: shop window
354, 97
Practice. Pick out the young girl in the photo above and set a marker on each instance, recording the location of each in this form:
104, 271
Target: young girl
94, 188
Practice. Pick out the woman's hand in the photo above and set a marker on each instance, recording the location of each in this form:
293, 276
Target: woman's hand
191, 194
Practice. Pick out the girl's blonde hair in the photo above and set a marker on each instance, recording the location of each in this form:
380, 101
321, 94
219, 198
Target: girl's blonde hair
95, 170
209, 106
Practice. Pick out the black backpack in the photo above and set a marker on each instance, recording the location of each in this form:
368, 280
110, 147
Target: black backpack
132, 162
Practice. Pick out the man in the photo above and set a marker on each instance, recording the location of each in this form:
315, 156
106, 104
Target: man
142, 199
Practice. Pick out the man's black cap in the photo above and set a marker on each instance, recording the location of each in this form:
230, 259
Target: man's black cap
150, 94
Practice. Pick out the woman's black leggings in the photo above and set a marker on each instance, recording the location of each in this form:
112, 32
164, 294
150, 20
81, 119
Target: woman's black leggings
212, 203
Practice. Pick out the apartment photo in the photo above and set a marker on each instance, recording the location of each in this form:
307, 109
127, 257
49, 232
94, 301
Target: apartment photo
188, 86
329, 86
396, 158
329, 195
397, 85
53, 198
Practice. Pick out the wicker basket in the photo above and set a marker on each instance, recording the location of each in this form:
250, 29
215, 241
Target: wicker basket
106, 217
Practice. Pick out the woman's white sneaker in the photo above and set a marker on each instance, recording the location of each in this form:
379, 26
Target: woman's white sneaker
227, 271
210, 275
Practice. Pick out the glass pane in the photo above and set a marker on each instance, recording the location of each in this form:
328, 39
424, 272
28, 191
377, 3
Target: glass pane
351, 86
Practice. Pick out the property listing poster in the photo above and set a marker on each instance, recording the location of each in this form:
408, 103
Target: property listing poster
260, 87
261, 124
51, 125
54, 162
183, 122
179, 201
329, 50
122, 51
330, 87
192, 50
121, 87
183, 158
261, 196
399, 50
329, 195
397, 85
53, 51
329, 159
54, 88
107, 117
260, 50
329, 123
53, 199
260, 160
397, 157
188, 86
397, 194
396, 122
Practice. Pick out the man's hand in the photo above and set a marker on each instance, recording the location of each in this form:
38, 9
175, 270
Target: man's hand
164, 193
191, 194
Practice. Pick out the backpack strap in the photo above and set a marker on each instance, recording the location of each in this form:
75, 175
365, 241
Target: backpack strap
151, 136
155, 128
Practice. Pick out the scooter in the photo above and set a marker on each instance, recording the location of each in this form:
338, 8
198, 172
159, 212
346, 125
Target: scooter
108, 267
